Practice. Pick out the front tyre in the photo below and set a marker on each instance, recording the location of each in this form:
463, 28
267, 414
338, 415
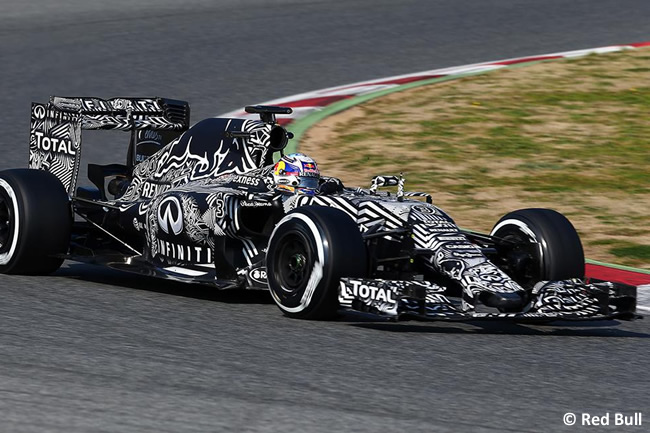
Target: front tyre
309, 251
35, 222
540, 245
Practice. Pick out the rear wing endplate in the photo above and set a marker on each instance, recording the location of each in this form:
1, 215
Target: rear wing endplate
55, 135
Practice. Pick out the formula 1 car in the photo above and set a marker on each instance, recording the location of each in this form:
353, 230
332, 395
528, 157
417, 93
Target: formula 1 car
198, 205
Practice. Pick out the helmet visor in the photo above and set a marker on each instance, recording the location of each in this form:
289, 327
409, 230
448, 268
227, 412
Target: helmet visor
308, 182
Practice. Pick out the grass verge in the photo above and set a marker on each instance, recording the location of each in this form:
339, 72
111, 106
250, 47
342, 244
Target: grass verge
570, 135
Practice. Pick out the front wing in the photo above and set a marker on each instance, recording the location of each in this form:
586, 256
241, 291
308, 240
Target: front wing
554, 300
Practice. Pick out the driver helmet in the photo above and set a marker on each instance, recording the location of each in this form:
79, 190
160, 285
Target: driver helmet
296, 174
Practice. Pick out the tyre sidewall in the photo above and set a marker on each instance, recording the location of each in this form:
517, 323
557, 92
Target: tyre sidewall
8, 257
558, 245
42, 223
309, 297
338, 248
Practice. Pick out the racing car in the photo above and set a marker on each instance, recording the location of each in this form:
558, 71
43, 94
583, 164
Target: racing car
209, 204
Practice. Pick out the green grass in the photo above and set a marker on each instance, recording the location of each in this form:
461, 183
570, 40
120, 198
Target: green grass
563, 133
640, 252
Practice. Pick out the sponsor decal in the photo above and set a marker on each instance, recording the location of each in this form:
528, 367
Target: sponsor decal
150, 189
309, 169
184, 253
464, 246
452, 238
141, 157
258, 275
217, 201
42, 112
145, 105
150, 135
149, 142
53, 144
467, 254
256, 203
439, 224
365, 291
170, 216
246, 180
38, 111
139, 105
279, 168
437, 229
424, 209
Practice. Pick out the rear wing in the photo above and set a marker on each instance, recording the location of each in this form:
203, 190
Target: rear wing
55, 135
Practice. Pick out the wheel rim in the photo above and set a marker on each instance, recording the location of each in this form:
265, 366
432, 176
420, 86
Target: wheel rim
6, 229
292, 262
524, 260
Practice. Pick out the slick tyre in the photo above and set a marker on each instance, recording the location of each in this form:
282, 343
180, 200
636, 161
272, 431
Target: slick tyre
542, 245
310, 249
35, 222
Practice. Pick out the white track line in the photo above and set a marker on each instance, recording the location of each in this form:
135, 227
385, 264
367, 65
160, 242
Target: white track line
362, 87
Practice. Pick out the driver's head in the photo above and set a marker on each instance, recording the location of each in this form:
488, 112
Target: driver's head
296, 174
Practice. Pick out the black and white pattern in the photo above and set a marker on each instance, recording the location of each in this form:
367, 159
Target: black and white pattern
55, 144
122, 114
55, 133
366, 210
445, 249
204, 206
387, 297
203, 152
456, 257
452, 254
428, 197
567, 296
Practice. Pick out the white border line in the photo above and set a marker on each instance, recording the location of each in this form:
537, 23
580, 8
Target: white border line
362, 87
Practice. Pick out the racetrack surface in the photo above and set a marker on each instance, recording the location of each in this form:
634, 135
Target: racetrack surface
95, 350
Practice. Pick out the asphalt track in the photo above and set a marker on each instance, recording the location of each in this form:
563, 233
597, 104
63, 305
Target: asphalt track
93, 350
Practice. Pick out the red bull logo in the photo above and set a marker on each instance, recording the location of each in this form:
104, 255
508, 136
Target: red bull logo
283, 168
279, 168
310, 168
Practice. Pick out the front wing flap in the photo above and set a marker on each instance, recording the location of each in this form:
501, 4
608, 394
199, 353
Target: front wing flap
554, 300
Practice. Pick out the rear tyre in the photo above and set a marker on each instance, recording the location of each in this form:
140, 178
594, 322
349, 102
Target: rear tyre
310, 249
541, 244
35, 222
